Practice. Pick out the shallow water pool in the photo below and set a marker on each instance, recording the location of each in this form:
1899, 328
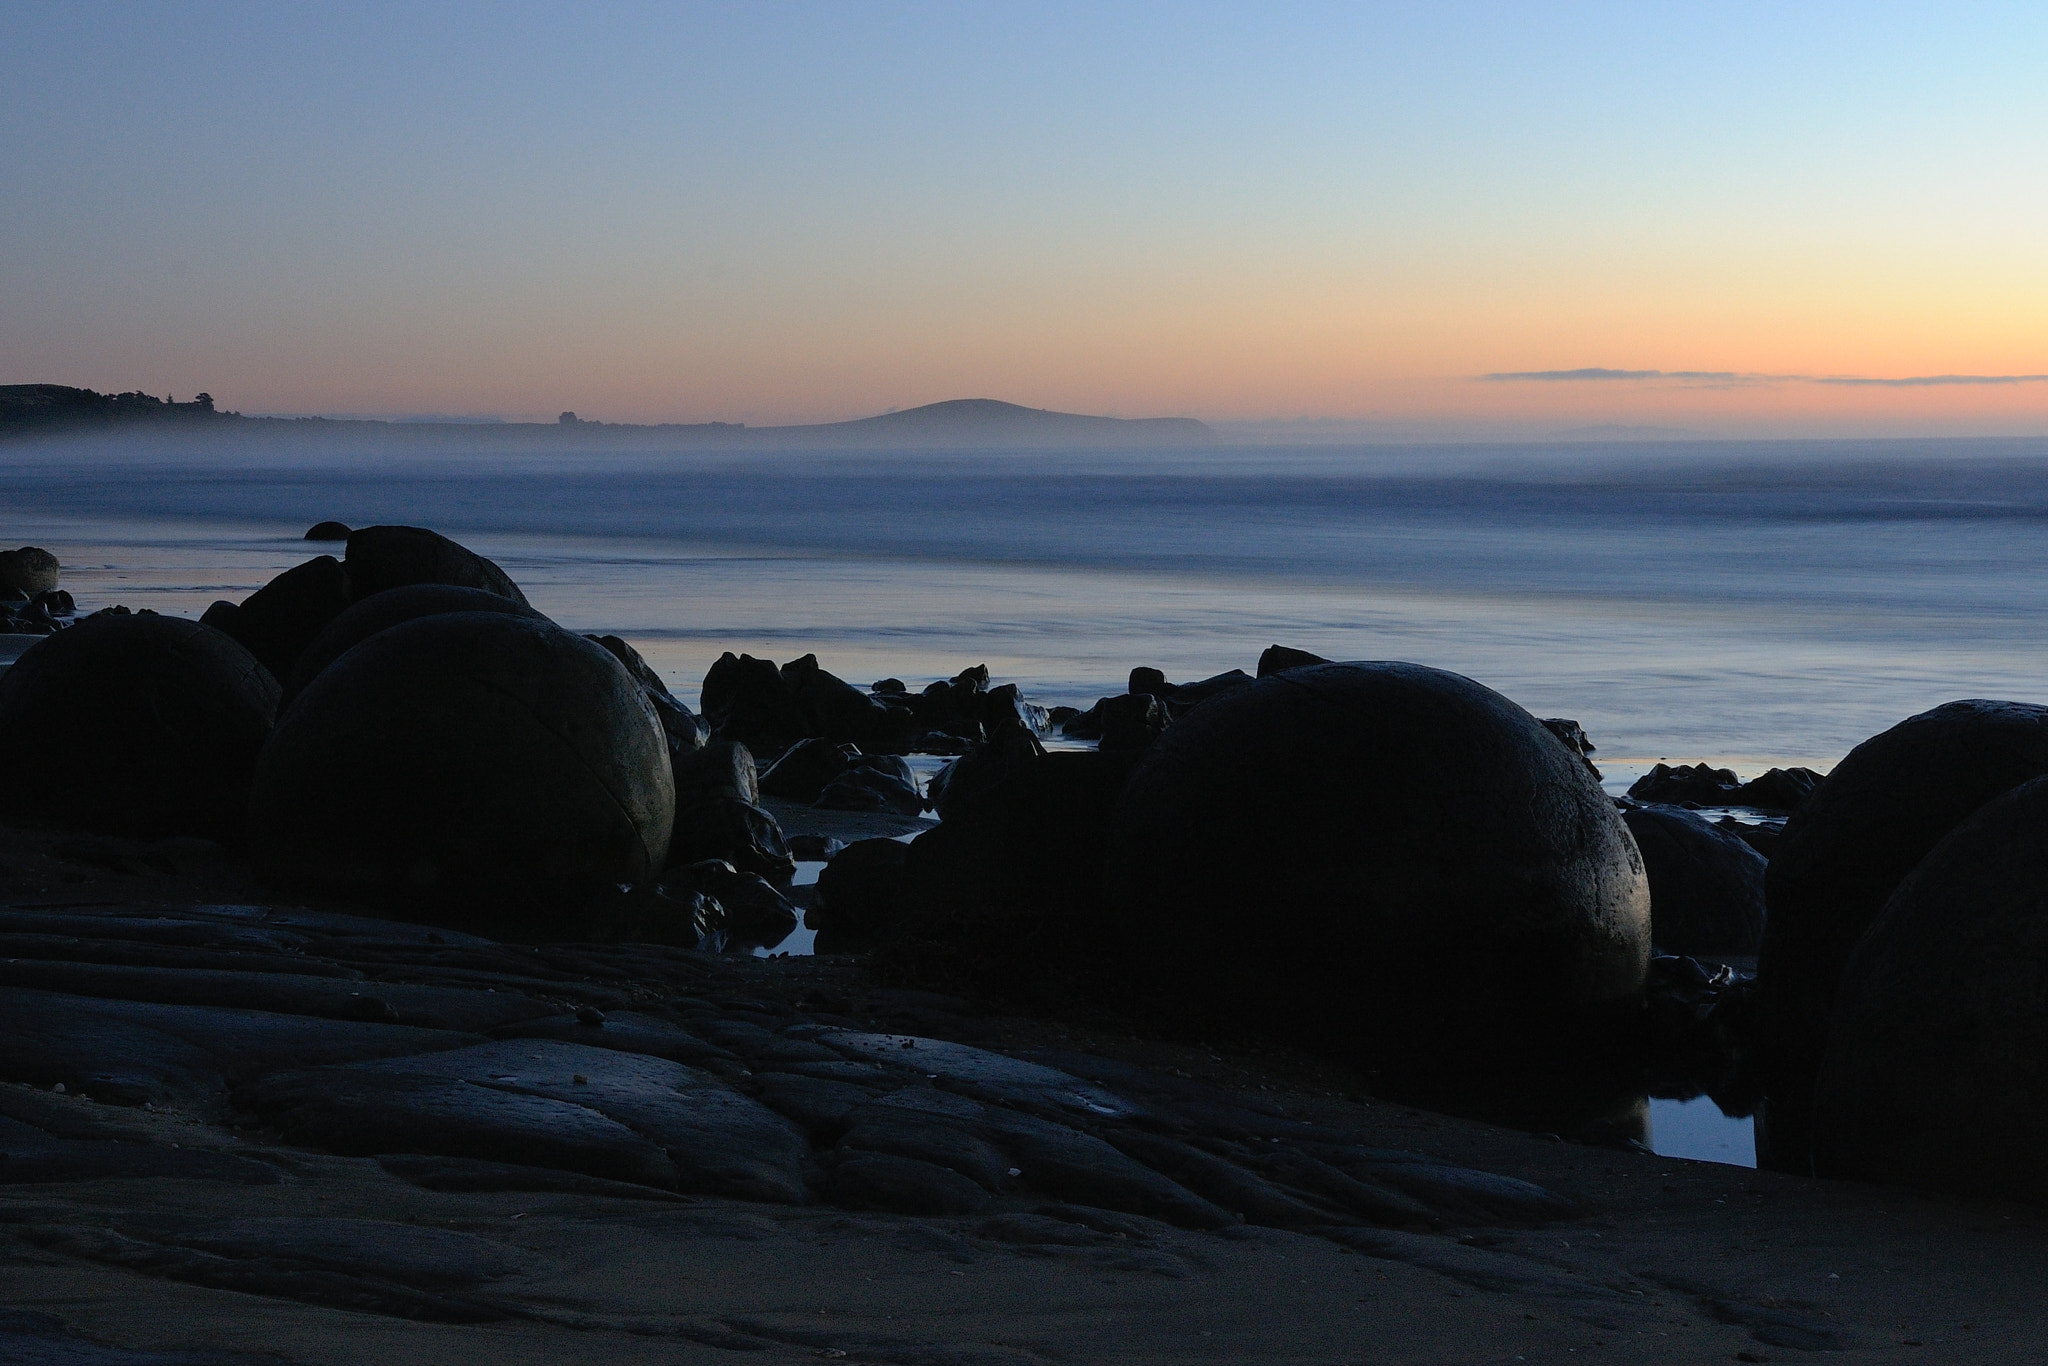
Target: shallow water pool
1697, 1129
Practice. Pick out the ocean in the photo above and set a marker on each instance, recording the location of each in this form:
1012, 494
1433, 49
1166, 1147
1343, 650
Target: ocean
1747, 604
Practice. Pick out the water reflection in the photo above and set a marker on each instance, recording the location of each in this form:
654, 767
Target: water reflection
1700, 1130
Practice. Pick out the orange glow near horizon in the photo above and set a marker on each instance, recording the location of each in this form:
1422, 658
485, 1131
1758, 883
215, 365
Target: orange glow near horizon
1348, 214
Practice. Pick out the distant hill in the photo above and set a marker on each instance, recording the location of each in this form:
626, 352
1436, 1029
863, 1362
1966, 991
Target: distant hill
987, 422
957, 424
29, 407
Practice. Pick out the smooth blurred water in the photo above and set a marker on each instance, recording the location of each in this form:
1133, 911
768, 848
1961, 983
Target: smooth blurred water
1741, 606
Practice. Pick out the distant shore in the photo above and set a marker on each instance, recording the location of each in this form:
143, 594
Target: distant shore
33, 410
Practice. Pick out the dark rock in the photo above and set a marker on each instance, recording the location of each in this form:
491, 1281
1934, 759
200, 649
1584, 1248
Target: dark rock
1575, 738
1012, 888
280, 619
628, 1031
1780, 789
669, 911
1279, 658
739, 832
1071, 1165
1698, 783
54, 602
720, 769
470, 755
1386, 859
1706, 885
815, 848
756, 913
805, 768
1188, 696
902, 1185
131, 1053
385, 557
538, 1102
1004, 708
860, 892
1842, 856
892, 686
368, 616
1221, 1181
747, 700
1149, 682
29, 571
893, 1126
840, 712
985, 764
328, 531
823, 1107
1936, 1070
1131, 722
684, 731
874, 782
135, 724
470, 1174
1084, 725
1762, 836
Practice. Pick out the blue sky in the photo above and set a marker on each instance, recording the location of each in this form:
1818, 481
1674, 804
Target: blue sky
795, 212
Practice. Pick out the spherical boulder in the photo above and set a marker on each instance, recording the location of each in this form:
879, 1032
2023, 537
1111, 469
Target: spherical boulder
382, 557
381, 611
1706, 884
1936, 1069
28, 571
278, 620
468, 756
327, 531
136, 724
1387, 860
1843, 854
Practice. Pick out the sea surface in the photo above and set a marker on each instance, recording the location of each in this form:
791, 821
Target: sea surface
1749, 604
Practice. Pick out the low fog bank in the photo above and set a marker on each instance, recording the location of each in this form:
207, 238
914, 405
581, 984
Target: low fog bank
1020, 442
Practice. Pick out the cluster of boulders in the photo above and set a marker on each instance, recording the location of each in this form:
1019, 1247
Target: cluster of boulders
1779, 790
401, 723
769, 709
1383, 860
1903, 983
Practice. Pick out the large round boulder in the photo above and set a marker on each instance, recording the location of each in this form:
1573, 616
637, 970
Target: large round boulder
278, 620
1390, 860
1706, 883
28, 571
467, 756
1843, 854
1936, 1070
385, 557
136, 724
381, 611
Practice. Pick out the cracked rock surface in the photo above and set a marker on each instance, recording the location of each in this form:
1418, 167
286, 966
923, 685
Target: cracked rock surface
238, 1132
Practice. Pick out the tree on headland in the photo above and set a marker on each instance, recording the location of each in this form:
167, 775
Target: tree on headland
31, 407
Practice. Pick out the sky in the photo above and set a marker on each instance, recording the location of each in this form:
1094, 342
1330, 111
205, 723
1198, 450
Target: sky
1416, 220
